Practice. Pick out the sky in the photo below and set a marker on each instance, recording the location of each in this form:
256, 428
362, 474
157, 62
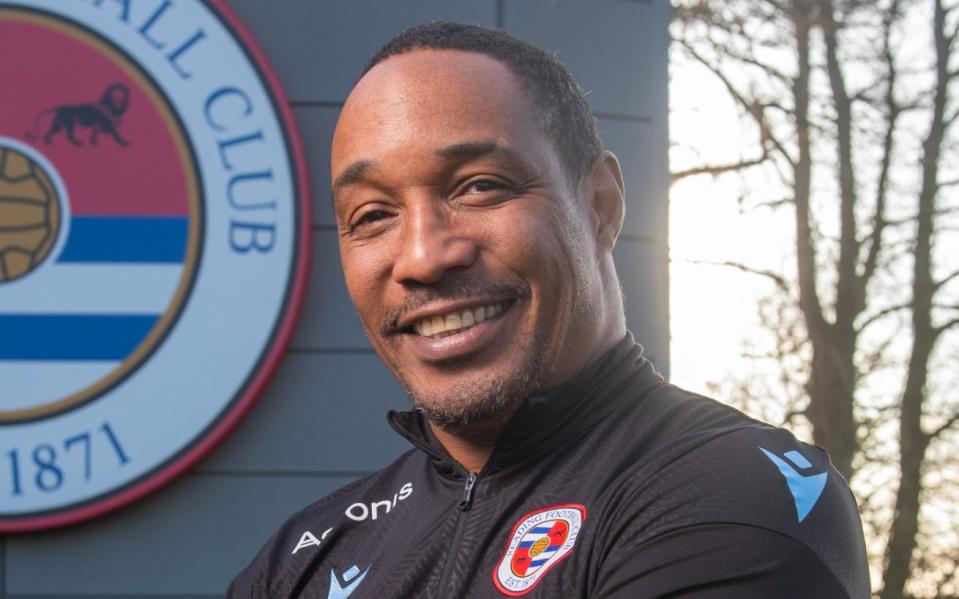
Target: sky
713, 307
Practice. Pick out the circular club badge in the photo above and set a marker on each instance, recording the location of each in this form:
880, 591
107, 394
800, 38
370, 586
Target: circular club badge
154, 232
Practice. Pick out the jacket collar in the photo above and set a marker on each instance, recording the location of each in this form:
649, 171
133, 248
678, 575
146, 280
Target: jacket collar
554, 418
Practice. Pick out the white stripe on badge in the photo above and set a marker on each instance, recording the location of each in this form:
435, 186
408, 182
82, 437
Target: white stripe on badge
29, 384
66, 288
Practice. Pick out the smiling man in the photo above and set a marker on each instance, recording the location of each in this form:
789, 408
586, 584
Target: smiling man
477, 213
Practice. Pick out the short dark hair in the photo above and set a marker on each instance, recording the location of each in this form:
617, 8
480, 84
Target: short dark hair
563, 111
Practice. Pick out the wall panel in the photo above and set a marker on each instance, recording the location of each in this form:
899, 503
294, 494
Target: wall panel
320, 48
192, 537
307, 421
615, 50
328, 320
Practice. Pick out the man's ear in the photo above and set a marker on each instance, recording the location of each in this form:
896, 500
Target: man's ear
608, 205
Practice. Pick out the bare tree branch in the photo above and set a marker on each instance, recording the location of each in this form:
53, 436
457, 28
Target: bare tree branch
937, 331
767, 68
882, 314
752, 107
716, 170
778, 279
912, 440
944, 426
850, 287
945, 280
809, 301
893, 109
773, 204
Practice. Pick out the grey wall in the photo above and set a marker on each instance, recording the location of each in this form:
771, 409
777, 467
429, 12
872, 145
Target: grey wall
321, 423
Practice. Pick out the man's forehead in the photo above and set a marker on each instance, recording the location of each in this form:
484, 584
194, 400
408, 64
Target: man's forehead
443, 89
445, 102
434, 68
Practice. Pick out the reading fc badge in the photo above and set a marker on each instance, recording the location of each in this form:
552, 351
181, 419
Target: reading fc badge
154, 228
539, 541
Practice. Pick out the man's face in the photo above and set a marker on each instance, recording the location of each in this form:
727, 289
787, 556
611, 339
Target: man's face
466, 251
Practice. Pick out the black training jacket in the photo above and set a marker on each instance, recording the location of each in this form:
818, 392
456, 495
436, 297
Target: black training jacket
616, 485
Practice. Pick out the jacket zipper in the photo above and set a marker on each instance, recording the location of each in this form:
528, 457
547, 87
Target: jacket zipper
467, 501
464, 506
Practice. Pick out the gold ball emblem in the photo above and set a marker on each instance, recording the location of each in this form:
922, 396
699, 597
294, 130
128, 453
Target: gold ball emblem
539, 547
30, 215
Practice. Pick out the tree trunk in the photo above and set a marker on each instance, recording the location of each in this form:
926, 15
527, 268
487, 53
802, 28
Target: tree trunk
912, 440
831, 387
831, 380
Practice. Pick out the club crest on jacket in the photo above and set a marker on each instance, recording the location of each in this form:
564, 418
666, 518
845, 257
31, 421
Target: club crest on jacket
539, 541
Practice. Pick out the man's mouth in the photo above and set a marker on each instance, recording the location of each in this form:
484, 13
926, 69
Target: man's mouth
451, 323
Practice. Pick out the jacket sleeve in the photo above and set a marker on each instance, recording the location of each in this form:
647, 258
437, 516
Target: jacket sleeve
248, 583
716, 561
242, 586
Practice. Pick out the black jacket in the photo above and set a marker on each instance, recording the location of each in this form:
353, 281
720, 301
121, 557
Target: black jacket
616, 485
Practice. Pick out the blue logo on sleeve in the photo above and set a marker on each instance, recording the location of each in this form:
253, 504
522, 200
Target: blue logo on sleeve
352, 577
804, 489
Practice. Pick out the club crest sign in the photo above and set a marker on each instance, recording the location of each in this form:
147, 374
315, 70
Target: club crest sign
154, 229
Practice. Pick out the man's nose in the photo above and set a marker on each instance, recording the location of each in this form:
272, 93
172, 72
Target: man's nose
431, 243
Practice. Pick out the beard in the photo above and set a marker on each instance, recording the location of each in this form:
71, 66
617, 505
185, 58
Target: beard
483, 406
465, 407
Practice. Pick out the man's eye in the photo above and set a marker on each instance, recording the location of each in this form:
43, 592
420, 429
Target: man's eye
484, 186
370, 217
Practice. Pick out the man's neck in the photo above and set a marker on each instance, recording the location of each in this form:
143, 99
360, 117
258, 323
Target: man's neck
472, 447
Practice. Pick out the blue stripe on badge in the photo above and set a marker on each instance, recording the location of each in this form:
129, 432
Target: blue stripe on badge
158, 239
72, 337
538, 562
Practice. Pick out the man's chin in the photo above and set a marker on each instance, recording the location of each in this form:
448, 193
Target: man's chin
467, 420
468, 404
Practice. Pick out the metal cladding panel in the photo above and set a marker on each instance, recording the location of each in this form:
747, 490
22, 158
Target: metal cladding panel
641, 148
616, 50
316, 124
321, 423
193, 537
320, 48
643, 275
328, 320
309, 420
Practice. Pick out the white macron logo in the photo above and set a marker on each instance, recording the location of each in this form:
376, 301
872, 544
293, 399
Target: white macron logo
353, 574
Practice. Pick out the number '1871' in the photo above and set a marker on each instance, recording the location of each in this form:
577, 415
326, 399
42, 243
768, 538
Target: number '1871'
43, 468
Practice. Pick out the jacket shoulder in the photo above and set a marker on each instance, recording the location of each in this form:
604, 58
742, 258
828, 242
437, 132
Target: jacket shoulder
281, 560
720, 466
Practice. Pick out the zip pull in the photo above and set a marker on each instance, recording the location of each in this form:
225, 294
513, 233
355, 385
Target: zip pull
467, 499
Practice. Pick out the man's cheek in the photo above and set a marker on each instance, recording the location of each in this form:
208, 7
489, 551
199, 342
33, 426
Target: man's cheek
364, 279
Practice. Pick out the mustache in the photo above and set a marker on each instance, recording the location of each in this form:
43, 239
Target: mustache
451, 288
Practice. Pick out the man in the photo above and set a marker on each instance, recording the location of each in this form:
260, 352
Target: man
477, 212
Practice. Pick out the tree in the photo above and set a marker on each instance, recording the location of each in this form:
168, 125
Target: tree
853, 103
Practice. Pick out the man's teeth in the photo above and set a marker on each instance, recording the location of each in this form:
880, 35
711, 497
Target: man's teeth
447, 324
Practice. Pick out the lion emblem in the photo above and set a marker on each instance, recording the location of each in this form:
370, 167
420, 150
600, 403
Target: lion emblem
99, 117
